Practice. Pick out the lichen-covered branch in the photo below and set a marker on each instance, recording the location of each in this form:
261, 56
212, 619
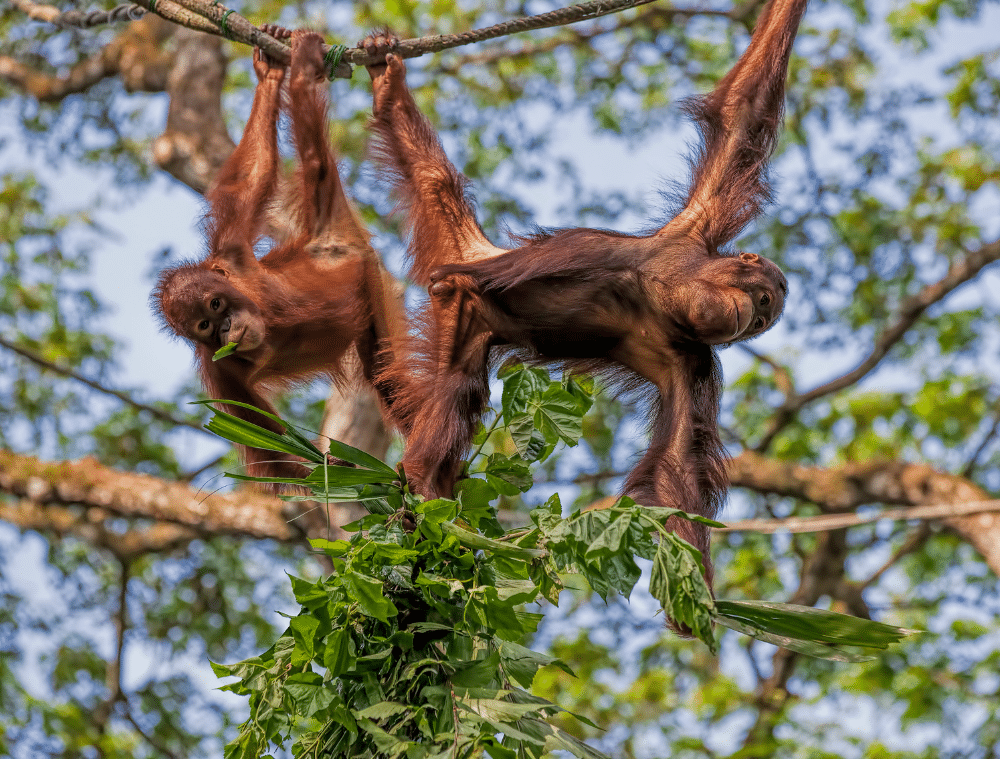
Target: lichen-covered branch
845, 488
89, 485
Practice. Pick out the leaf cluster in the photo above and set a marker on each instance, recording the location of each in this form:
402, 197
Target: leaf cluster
413, 646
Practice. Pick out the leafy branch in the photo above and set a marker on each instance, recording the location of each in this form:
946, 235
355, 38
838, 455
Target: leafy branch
414, 645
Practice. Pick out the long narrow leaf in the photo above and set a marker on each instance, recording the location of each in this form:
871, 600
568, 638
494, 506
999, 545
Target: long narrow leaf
334, 494
345, 475
814, 632
225, 350
359, 458
239, 431
290, 431
481, 543
292, 436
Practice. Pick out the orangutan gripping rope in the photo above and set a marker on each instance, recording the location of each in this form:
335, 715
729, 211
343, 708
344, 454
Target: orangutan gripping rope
653, 305
296, 312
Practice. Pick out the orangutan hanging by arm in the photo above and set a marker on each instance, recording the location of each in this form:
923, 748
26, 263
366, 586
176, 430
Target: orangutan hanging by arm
651, 305
295, 313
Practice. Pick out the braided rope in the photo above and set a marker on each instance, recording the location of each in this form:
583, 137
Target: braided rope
211, 16
558, 17
80, 19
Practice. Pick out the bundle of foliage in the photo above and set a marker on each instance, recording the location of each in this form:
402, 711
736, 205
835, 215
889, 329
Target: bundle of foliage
413, 646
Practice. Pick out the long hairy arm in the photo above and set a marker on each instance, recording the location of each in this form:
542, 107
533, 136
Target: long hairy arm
739, 123
438, 215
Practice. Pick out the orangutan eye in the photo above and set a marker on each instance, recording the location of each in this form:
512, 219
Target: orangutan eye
202, 326
215, 304
765, 299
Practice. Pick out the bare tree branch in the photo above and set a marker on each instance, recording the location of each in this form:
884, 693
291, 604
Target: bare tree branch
195, 143
136, 55
88, 525
575, 36
910, 310
120, 395
827, 522
73, 17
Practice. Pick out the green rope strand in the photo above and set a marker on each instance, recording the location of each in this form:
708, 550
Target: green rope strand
333, 56
224, 24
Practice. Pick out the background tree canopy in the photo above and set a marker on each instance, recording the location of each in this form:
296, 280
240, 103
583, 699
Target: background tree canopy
879, 390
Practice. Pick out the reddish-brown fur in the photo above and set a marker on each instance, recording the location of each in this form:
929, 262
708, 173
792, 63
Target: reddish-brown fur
298, 310
651, 305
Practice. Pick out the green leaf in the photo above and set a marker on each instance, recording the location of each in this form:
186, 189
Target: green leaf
479, 673
481, 543
558, 416
521, 664
359, 458
312, 697
438, 510
308, 593
678, 584
339, 655
345, 475
386, 743
529, 442
474, 497
496, 711
521, 386
225, 350
292, 435
304, 633
382, 710
370, 596
814, 632
496, 750
242, 432
582, 388
662, 513
560, 739
512, 471
495, 614
331, 548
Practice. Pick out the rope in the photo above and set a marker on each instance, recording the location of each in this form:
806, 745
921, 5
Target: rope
558, 17
238, 29
81, 19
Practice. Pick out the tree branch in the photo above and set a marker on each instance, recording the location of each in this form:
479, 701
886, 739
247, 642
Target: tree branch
910, 310
844, 488
827, 522
124, 397
497, 53
89, 484
88, 525
135, 55
224, 22
80, 19
195, 142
